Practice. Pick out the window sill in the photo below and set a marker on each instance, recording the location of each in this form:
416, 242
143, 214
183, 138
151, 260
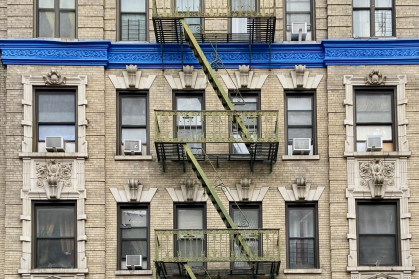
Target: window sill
54, 271
300, 157
380, 268
133, 158
391, 154
303, 271
52, 155
133, 272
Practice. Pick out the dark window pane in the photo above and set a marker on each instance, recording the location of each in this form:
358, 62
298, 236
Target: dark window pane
301, 222
300, 118
66, 131
46, 26
377, 218
67, 4
55, 222
299, 133
55, 253
133, 27
383, 23
133, 110
67, 25
301, 254
373, 108
377, 248
134, 217
134, 233
134, 248
56, 107
133, 6
361, 24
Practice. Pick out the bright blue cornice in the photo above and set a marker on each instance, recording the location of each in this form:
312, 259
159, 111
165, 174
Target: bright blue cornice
148, 55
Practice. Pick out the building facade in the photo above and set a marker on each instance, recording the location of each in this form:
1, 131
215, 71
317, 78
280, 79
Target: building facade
216, 139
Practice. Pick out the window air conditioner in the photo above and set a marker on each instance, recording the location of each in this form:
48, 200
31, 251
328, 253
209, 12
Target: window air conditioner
374, 143
295, 30
132, 146
53, 144
301, 146
134, 262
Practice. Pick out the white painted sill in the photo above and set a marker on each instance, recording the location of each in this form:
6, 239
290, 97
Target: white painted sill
133, 158
380, 268
58, 155
133, 272
54, 271
300, 157
388, 154
303, 271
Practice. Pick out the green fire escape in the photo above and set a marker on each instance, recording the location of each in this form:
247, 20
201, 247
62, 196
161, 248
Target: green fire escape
170, 25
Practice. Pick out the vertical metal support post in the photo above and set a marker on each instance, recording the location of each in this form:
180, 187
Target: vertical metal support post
250, 42
162, 56
181, 48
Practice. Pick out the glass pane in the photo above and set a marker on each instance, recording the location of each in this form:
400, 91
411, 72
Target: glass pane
363, 131
194, 24
134, 134
187, 5
67, 4
299, 118
298, 18
134, 248
46, 24
134, 217
188, 103
49, 4
56, 107
133, 110
299, 103
190, 218
124, 264
192, 134
188, 120
134, 233
55, 222
377, 218
55, 253
301, 254
301, 222
383, 3
377, 248
383, 23
294, 133
240, 148
190, 247
242, 5
361, 24
67, 25
68, 132
133, 6
238, 25
362, 3
133, 27
298, 5
254, 248
373, 108
248, 220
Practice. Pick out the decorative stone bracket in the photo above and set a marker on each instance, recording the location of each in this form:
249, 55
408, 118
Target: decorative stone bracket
299, 78
133, 192
190, 191
132, 79
301, 191
244, 78
53, 175
188, 78
245, 191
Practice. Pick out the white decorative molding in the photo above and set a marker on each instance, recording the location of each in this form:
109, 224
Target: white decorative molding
132, 79
253, 194
28, 112
244, 78
300, 78
188, 78
190, 191
308, 193
70, 173
126, 196
363, 173
400, 82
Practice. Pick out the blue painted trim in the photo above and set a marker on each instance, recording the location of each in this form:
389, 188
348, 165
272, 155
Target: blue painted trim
148, 55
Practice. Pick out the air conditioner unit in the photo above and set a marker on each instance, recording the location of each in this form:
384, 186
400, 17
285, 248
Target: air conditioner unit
132, 146
295, 30
53, 144
301, 146
374, 143
134, 262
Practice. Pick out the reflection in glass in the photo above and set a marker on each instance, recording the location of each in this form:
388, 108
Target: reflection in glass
133, 6
133, 27
383, 23
46, 24
361, 24
68, 132
67, 24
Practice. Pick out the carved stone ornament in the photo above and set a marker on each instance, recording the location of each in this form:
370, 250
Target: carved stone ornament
133, 189
381, 276
244, 75
187, 71
54, 78
132, 73
301, 189
245, 189
190, 188
299, 70
53, 176
376, 174
375, 78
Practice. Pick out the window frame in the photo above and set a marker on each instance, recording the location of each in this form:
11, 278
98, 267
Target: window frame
54, 91
56, 11
364, 90
119, 126
372, 10
300, 205
134, 206
119, 22
313, 96
398, 234
312, 20
56, 204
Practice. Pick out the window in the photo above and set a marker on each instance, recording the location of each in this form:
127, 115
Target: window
302, 237
190, 216
300, 119
250, 102
193, 6
239, 24
373, 18
56, 116
374, 115
133, 20
188, 126
299, 12
55, 235
133, 119
133, 233
56, 18
247, 216
378, 233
